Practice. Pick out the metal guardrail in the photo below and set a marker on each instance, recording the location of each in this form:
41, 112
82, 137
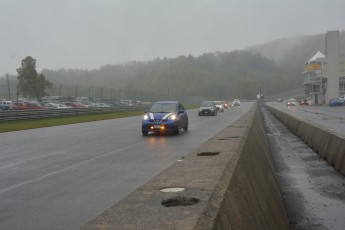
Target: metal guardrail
15, 115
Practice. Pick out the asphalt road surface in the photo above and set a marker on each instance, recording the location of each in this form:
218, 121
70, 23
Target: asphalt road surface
330, 117
313, 191
63, 177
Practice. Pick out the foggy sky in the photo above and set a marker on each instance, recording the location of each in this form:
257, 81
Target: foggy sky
88, 34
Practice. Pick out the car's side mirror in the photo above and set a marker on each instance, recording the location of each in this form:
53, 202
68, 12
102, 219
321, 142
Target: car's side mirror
181, 111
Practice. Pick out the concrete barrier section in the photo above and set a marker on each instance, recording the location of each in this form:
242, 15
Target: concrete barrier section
328, 144
305, 131
226, 183
336, 152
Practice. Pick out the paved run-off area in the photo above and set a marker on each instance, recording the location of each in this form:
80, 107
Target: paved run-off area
313, 191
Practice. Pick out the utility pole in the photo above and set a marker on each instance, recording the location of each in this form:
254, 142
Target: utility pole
101, 95
89, 95
60, 94
8, 86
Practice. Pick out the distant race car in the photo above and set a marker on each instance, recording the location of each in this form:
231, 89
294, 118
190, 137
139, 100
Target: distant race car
303, 102
226, 105
236, 102
335, 102
219, 105
290, 103
207, 108
165, 117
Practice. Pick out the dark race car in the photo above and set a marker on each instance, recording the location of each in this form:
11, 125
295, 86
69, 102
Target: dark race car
207, 108
165, 117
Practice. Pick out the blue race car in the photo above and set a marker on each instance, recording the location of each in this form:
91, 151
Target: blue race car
165, 117
335, 102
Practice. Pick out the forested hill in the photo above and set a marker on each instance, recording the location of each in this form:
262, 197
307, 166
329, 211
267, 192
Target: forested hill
290, 54
225, 75
275, 67
301, 47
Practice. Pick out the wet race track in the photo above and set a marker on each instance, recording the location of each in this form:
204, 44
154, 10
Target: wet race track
313, 191
63, 177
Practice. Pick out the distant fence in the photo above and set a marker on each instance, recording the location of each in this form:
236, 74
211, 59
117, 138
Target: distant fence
15, 115
8, 91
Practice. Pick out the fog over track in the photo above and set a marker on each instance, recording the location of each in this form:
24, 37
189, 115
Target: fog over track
62, 177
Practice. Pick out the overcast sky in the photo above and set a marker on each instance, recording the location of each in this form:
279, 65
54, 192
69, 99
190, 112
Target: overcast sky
88, 34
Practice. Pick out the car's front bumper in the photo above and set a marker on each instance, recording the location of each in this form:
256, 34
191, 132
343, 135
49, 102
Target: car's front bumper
206, 112
162, 127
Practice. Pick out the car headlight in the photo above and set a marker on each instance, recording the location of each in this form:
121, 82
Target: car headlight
172, 117
145, 117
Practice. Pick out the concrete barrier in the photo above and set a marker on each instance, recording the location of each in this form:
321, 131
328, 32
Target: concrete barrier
327, 143
226, 183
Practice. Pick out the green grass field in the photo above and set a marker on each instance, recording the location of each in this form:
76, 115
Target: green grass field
56, 121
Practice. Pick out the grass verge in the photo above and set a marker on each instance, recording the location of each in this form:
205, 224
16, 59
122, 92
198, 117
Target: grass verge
56, 121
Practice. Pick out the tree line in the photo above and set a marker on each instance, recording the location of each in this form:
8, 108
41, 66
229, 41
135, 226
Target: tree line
219, 75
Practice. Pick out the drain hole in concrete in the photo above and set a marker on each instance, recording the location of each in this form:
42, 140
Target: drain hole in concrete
177, 189
207, 153
181, 159
179, 201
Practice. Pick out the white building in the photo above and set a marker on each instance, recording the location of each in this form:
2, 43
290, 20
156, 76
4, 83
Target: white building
324, 75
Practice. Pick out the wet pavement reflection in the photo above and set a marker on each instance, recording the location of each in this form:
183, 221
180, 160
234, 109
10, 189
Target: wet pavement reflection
313, 191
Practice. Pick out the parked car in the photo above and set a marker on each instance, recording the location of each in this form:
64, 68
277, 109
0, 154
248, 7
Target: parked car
236, 102
4, 102
303, 102
27, 106
165, 117
207, 108
279, 100
5, 107
76, 105
219, 106
335, 102
56, 105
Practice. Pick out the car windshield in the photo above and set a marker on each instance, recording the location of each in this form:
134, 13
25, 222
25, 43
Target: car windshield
336, 100
206, 104
163, 108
